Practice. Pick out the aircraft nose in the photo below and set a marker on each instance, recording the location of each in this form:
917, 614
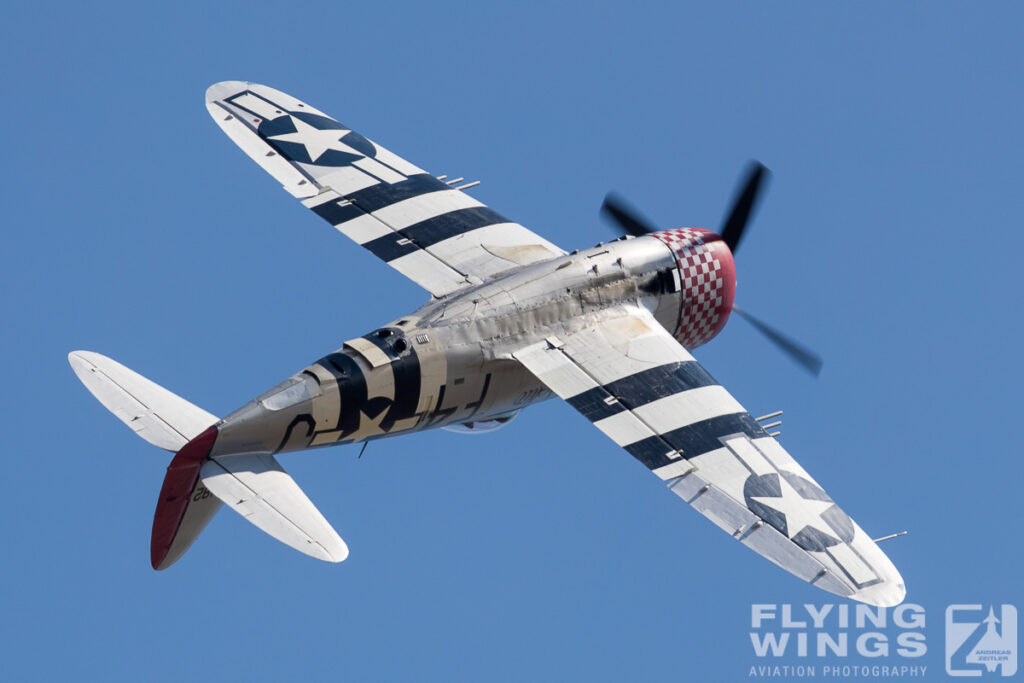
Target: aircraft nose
707, 282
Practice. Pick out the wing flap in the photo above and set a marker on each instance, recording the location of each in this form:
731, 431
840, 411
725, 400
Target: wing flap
257, 487
646, 392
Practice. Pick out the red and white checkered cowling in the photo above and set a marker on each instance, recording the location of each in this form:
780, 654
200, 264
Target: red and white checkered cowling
707, 283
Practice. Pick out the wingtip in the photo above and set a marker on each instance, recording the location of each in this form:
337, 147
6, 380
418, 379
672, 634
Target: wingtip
888, 592
885, 594
218, 91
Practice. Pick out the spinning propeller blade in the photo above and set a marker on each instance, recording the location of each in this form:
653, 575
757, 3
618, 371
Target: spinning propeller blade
733, 227
807, 359
627, 218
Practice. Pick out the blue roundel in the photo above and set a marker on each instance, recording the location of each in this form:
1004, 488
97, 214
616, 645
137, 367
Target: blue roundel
832, 527
296, 151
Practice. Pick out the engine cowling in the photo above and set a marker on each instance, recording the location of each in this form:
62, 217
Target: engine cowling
707, 283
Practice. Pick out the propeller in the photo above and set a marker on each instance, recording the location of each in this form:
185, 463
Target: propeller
807, 359
629, 219
743, 206
634, 223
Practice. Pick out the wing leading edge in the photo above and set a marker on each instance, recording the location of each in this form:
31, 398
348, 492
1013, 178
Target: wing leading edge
648, 394
434, 234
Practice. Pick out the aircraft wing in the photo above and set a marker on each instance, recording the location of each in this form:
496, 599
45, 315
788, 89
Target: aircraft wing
630, 378
436, 235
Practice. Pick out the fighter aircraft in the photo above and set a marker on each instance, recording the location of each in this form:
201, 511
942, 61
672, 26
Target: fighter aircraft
511, 321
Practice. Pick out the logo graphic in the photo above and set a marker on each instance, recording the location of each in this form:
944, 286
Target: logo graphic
977, 644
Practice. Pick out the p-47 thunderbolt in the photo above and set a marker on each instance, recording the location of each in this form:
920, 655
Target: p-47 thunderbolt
512, 319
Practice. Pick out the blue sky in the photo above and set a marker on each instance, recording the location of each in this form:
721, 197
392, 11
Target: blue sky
888, 240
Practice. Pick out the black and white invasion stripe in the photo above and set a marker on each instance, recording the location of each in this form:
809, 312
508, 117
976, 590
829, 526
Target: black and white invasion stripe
419, 212
685, 407
662, 414
679, 397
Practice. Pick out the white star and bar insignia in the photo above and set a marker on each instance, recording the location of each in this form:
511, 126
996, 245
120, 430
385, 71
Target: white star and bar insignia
316, 140
800, 512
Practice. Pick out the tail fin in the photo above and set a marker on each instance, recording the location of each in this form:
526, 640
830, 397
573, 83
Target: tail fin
252, 484
166, 420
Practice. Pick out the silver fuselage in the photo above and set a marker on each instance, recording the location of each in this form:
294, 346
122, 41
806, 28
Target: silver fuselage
449, 363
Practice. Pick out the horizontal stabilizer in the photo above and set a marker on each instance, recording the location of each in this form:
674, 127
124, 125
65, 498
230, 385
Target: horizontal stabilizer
257, 487
159, 416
